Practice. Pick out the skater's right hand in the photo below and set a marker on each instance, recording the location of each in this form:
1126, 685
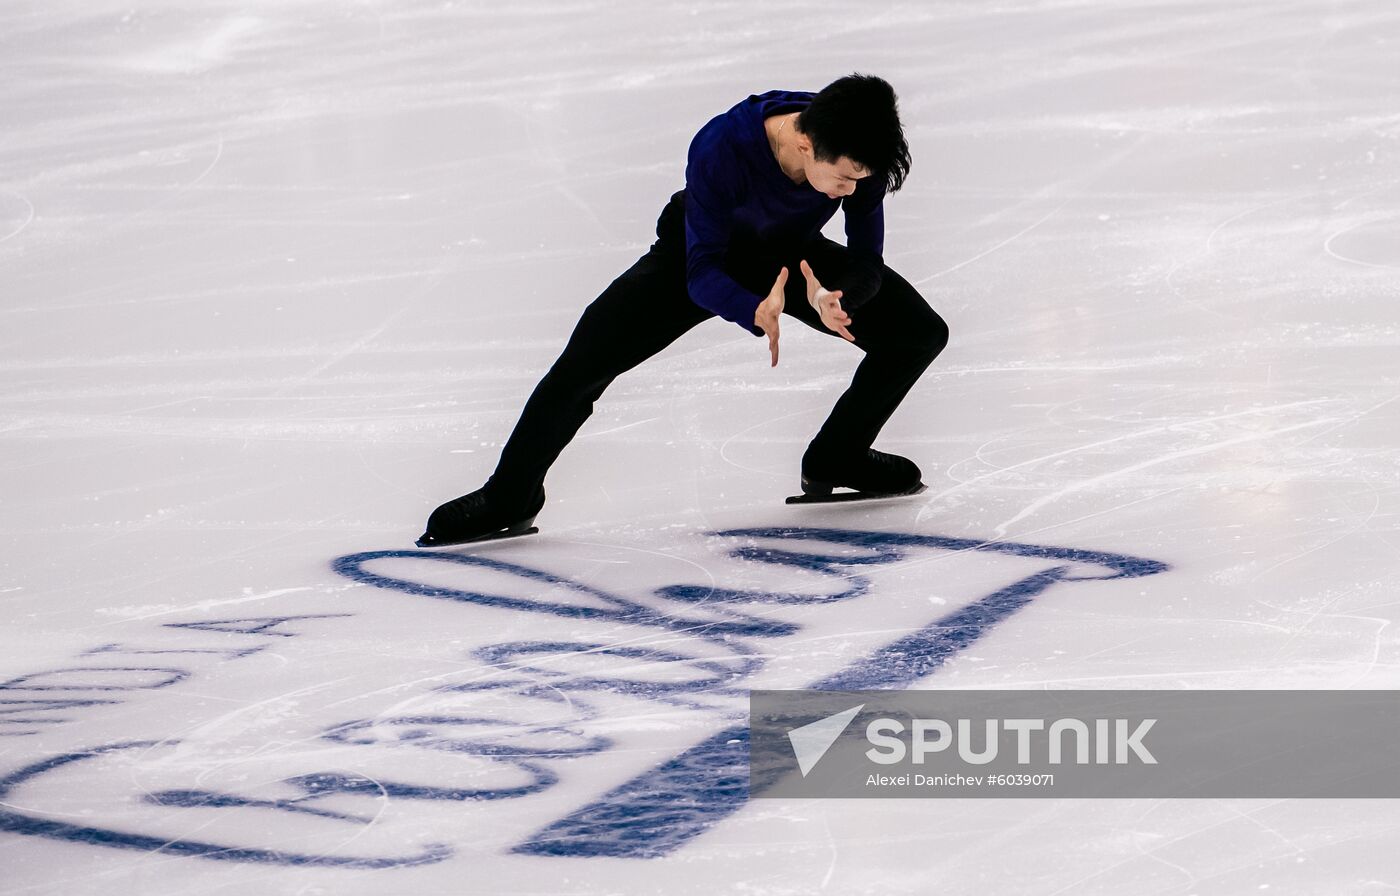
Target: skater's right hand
769, 311
827, 303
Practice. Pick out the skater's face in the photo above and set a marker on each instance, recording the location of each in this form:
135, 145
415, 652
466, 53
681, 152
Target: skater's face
835, 179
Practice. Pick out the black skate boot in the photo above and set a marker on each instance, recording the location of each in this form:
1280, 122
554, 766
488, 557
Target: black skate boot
869, 474
480, 517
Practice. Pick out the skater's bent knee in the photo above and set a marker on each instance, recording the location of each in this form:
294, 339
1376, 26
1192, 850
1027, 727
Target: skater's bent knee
935, 337
925, 336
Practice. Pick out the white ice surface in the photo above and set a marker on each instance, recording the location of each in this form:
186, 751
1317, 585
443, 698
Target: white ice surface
275, 279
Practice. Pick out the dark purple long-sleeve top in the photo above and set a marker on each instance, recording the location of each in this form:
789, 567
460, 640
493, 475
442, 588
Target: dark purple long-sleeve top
736, 193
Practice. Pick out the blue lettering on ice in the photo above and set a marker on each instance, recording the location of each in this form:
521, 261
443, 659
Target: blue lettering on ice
651, 815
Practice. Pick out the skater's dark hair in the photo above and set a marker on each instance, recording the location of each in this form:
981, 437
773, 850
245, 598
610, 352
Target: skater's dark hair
858, 117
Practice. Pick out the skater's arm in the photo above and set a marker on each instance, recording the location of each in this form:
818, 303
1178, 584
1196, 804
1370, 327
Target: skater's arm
865, 238
711, 194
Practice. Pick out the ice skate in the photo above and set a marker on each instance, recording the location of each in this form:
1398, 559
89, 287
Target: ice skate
861, 477
477, 517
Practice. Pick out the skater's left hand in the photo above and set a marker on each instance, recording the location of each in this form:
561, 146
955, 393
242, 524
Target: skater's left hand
770, 311
827, 303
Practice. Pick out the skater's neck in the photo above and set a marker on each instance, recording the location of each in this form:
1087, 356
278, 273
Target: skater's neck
785, 141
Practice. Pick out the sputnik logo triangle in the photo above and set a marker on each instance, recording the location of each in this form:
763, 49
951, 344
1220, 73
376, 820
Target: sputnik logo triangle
811, 741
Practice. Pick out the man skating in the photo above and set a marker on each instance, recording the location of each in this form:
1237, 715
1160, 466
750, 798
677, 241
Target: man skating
743, 242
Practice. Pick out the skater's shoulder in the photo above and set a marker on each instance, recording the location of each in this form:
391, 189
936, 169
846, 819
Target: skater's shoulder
753, 109
786, 99
739, 130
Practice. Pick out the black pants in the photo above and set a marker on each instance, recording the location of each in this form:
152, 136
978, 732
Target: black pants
648, 307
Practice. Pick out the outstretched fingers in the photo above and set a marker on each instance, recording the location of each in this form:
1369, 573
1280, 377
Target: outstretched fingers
770, 311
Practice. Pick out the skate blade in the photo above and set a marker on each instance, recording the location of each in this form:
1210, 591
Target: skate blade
425, 541
843, 497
